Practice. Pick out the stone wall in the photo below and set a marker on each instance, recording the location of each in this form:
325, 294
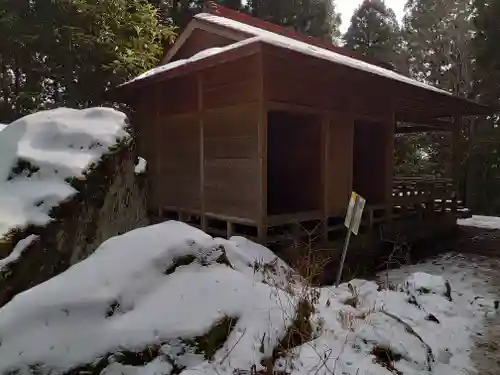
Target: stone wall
111, 201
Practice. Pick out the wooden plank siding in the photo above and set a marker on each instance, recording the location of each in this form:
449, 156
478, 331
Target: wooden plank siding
301, 81
231, 161
178, 95
144, 120
231, 83
179, 160
207, 132
339, 164
200, 40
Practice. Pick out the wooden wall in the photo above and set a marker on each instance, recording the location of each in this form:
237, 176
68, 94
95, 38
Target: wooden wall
346, 95
231, 162
144, 121
200, 40
206, 137
295, 79
339, 166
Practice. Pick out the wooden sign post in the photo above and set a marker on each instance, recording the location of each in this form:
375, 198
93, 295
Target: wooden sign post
352, 222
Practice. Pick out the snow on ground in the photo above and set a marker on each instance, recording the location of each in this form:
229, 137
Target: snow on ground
170, 299
473, 292
39, 152
2, 127
69, 320
486, 222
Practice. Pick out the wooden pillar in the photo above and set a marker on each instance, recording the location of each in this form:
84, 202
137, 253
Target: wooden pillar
457, 127
325, 140
229, 229
203, 218
157, 179
262, 150
389, 165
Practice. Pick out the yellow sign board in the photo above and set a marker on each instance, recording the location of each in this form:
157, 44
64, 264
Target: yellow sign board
354, 212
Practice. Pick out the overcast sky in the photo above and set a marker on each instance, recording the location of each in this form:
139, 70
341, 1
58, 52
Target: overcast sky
347, 7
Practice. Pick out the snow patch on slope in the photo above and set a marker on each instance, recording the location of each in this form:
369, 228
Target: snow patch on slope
39, 152
65, 322
155, 289
17, 251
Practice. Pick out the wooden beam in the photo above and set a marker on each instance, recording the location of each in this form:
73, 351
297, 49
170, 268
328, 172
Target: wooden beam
262, 151
157, 147
389, 163
179, 42
456, 160
288, 107
325, 140
420, 129
427, 122
203, 217
298, 217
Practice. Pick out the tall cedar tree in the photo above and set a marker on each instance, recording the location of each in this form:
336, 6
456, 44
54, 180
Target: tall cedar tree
316, 18
180, 12
483, 188
67, 53
374, 32
312, 17
437, 38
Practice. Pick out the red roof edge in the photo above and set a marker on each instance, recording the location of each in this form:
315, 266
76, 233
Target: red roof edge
219, 10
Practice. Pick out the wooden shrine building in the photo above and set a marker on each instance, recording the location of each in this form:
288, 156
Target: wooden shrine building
250, 128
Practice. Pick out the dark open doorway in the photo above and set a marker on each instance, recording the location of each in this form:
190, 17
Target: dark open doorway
294, 163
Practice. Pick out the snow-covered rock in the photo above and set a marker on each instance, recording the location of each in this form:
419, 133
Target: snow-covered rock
40, 152
423, 283
150, 286
67, 183
171, 299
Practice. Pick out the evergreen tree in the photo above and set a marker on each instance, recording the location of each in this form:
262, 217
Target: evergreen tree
483, 187
437, 38
180, 12
374, 32
316, 18
67, 53
486, 47
438, 35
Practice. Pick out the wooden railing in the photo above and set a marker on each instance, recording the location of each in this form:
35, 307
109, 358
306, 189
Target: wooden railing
430, 193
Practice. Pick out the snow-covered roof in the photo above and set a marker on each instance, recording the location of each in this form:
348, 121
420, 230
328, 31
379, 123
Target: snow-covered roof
196, 57
311, 50
282, 41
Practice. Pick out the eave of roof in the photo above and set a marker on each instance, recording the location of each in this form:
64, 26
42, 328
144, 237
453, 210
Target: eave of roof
282, 38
